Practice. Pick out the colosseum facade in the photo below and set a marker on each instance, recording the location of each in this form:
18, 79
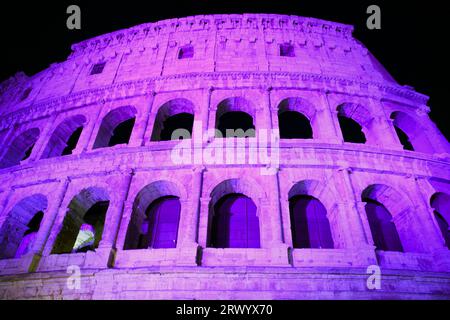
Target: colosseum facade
88, 181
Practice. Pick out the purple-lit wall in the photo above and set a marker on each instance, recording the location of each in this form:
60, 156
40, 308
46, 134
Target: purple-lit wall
221, 231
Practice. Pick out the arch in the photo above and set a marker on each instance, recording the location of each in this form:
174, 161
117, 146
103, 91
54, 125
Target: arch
186, 52
20, 148
309, 223
354, 119
440, 202
235, 223
18, 232
232, 204
65, 137
415, 134
383, 203
88, 208
116, 127
159, 199
310, 226
174, 114
313, 188
236, 114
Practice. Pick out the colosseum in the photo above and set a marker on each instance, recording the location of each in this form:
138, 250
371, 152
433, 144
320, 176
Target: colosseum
351, 200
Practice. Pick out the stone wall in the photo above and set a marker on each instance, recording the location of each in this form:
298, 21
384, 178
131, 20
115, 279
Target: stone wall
235, 56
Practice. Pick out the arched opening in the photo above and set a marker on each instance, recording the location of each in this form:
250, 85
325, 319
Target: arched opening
294, 125
20, 148
404, 139
309, 223
173, 115
186, 52
235, 223
287, 50
122, 133
410, 133
440, 202
116, 127
384, 232
18, 232
83, 224
65, 137
351, 130
234, 118
352, 119
155, 219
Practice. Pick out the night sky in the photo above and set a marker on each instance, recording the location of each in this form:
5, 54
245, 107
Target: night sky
410, 44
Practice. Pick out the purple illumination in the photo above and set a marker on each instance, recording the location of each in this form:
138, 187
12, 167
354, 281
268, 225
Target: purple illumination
89, 177
160, 229
309, 223
235, 223
384, 232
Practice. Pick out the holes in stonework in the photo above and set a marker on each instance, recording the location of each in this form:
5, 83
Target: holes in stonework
287, 50
98, 68
186, 52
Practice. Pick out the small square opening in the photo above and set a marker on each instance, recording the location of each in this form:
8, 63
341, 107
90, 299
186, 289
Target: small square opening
98, 68
287, 50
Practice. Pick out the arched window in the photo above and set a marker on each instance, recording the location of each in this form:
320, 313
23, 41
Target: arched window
29, 235
404, 139
384, 231
351, 130
65, 137
235, 223
236, 116
19, 230
160, 226
20, 149
180, 121
410, 133
287, 50
186, 52
116, 127
155, 217
294, 125
440, 202
236, 121
309, 223
444, 227
85, 219
173, 115
353, 118
122, 133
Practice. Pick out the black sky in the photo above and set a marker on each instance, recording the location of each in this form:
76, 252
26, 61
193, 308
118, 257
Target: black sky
411, 44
